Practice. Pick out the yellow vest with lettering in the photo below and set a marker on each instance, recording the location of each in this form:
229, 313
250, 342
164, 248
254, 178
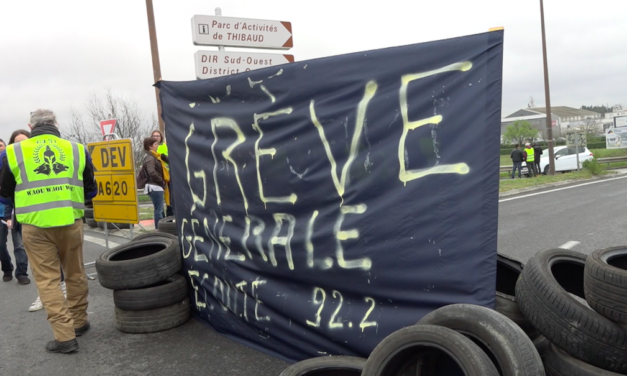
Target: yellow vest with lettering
530, 155
48, 173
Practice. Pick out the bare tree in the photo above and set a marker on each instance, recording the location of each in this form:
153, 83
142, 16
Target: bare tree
85, 127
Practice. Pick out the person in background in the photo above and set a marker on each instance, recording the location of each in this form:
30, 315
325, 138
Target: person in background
537, 153
517, 158
529, 159
48, 179
163, 147
158, 178
163, 150
21, 260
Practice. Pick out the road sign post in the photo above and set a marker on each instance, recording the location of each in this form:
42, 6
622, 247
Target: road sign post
211, 64
107, 126
576, 139
241, 32
114, 170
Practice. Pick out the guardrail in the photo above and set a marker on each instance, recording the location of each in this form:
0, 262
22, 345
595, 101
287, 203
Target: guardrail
606, 160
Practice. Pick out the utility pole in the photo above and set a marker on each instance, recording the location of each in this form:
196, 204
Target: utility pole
549, 125
156, 67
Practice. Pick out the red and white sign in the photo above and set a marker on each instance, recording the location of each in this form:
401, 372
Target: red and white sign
554, 123
211, 64
107, 126
241, 32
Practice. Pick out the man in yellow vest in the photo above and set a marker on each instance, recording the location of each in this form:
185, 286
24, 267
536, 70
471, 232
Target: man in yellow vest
48, 179
529, 159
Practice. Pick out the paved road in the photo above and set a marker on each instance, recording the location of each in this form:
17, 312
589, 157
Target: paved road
584, 218
191, 349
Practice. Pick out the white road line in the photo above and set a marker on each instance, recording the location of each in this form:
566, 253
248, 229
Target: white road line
569, 244
99, 241
561, 189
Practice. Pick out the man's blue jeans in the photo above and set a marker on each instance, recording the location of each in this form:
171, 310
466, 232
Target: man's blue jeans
18, 251
158, 201
517, 165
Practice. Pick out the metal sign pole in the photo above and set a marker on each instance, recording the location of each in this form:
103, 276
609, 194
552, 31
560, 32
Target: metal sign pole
577, 147
107, 235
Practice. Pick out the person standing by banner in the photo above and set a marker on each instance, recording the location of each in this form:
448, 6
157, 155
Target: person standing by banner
158, 178
49, 178
537, 154
163, 150
529, 159
21, 260
517, 158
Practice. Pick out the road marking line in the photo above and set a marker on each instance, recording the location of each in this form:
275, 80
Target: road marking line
99, 241
569, 244
561, 189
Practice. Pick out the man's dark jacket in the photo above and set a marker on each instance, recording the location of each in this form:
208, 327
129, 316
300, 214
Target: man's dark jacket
537, 151
516, 155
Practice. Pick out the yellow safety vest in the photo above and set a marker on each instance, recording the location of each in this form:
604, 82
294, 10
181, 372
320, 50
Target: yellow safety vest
530, 155
162, 149
48, 172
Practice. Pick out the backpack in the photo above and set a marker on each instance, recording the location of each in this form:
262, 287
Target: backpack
142, 178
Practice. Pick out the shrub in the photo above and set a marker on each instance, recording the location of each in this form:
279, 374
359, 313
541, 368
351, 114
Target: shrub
593, 166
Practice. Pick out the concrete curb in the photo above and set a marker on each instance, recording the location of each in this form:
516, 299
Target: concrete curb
569, 182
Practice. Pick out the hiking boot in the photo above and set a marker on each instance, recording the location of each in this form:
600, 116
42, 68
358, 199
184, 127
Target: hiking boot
23, 280
62, 347
80, 331
36, 306
7, 277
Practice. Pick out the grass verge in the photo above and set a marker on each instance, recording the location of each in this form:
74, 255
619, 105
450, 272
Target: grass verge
508, 185
146, 213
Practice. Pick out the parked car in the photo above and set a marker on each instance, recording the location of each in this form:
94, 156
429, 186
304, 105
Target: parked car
565, 159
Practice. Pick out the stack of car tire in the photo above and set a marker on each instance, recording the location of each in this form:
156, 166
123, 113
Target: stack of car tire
148, 292
541, 326
167, 225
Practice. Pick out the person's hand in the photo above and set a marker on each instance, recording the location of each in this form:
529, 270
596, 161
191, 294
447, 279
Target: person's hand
9, 223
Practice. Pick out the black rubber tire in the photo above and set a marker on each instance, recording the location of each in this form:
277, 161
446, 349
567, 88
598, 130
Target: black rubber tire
546, 170
405, 349
89, 213
163, 294
152, 320
112, 225
558, 363
543, 295
507, 272
542, 346
605, 283
91, 222
327, 366
510, 349
138, 264
156, 234
168, 225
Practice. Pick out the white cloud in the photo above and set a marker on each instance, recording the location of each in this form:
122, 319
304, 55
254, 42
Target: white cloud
55, 54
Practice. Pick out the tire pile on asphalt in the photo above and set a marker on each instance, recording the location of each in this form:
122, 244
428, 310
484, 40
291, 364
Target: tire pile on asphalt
149, 293
563, 314
168, 225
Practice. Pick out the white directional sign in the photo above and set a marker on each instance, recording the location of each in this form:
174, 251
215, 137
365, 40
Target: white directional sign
211, 64
241, 32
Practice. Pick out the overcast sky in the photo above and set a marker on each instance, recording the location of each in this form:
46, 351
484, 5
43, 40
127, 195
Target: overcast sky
54, 54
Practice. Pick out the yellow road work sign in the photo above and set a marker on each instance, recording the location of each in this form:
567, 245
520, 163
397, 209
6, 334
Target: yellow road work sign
114, 169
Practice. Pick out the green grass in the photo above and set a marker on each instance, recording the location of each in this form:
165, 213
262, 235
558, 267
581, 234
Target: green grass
143, 198
146, 213
508, 185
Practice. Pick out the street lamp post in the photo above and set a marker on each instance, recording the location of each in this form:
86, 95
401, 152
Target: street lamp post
549, 125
